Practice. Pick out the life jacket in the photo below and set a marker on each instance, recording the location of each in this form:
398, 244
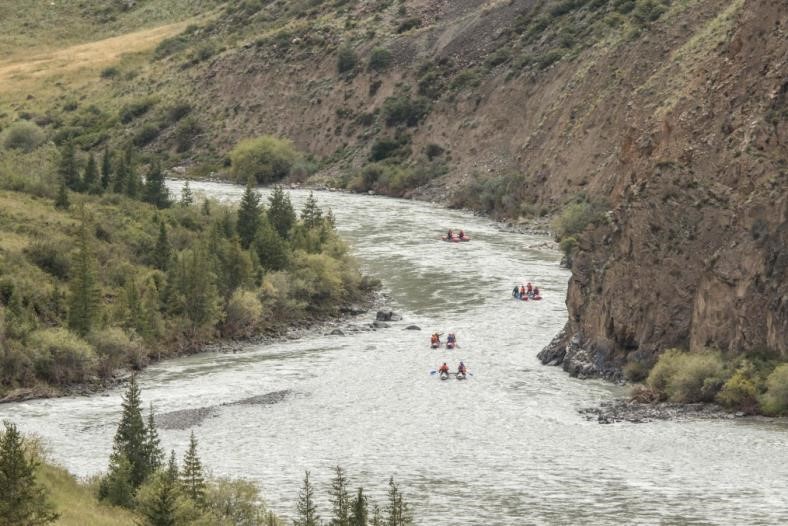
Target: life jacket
530, 288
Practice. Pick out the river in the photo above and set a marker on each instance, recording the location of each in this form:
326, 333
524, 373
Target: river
506, 447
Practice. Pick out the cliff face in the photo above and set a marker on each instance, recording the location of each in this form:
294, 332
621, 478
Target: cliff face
694, 252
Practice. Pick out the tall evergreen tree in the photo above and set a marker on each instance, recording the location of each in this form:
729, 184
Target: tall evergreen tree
206, 207
22, 500
377, 519
187, 199
90, 180
83, 308
116, 486
131, 439
340, 499
397, 513
311, 215
131, 304
192, 478
153, 443
306, 508
61, 200
359, 513
106, 169
160, 508
172, 467
280, 212
272, 251
133, 183
248, 215
120, 181
163, 251
155, 191
198, 288
67, 168
330, 220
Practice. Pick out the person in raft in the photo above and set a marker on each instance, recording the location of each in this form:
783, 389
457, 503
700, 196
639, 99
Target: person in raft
451, 338
522, 291
435, 340
462, 234
450, 235
516, 291
444, 369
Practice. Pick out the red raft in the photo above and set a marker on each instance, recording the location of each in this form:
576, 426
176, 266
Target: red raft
456, 239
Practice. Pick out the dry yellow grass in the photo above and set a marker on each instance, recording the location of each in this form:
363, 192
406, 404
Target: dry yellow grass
23, 73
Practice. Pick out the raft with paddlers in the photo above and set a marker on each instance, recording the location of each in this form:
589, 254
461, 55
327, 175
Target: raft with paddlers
455, 238
526, 293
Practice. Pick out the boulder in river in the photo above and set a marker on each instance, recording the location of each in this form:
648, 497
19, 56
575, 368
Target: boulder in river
380, 324
337, 332
412, 328
387, 315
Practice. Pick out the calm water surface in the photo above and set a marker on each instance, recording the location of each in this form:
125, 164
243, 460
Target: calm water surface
506, 447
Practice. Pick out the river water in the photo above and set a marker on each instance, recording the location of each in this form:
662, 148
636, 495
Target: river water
506, 447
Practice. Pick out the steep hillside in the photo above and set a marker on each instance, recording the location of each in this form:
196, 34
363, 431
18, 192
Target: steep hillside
664, 121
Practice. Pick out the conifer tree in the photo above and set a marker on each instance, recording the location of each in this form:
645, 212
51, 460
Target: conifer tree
22, 500
172, 467
131, 439
198, 288
396, 511
377, 519
163, 251
83, 308
359, 514
271, 250
61, 200
106, 169
155, 191
192, 478
120, 182
306, 508
248, 215
160, 509
133, 184
116, 486
280, 212
132, 303
150, 325
311, 215
187, 199
340, 499
330, 220
206, 207
90, 181
67, 168
153, 443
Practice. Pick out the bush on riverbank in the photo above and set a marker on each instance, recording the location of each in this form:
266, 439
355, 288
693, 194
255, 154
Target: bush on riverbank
267, 158
752, 384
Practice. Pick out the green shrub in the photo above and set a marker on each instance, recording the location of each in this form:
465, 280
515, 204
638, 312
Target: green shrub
243, 313
408, 24
379, 59
687, 377
23, 135
390, 148
404, 109
60, 357
145, 135
136, 108
740, 391
110, 72
266, 158
116, 350
648, 11
576, 217
347, 60
468, 78
49, 257
177, 112
635, 371
568, 246
775, 400
186, 133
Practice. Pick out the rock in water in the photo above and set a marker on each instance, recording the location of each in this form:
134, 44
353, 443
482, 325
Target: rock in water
387, 315
380, 324
337, 332
412, 328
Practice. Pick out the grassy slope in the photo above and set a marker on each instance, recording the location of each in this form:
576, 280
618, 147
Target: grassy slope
76, 502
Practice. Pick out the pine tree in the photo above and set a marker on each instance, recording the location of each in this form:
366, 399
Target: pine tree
359, 514
83, 308
330, 220
340, 499
396, 510
206, 207
191, 475
306, 508
151, 325
163, 251
160, 509
67, 168
90, 181
22, 500
61, 200
153, 443
172, 467
187, 199
155, 191
272, 251
106, 169
132, 305
280, 212
133, 184
120, 182
198, 289
248, 215
377, 520
311, 215
130, 459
